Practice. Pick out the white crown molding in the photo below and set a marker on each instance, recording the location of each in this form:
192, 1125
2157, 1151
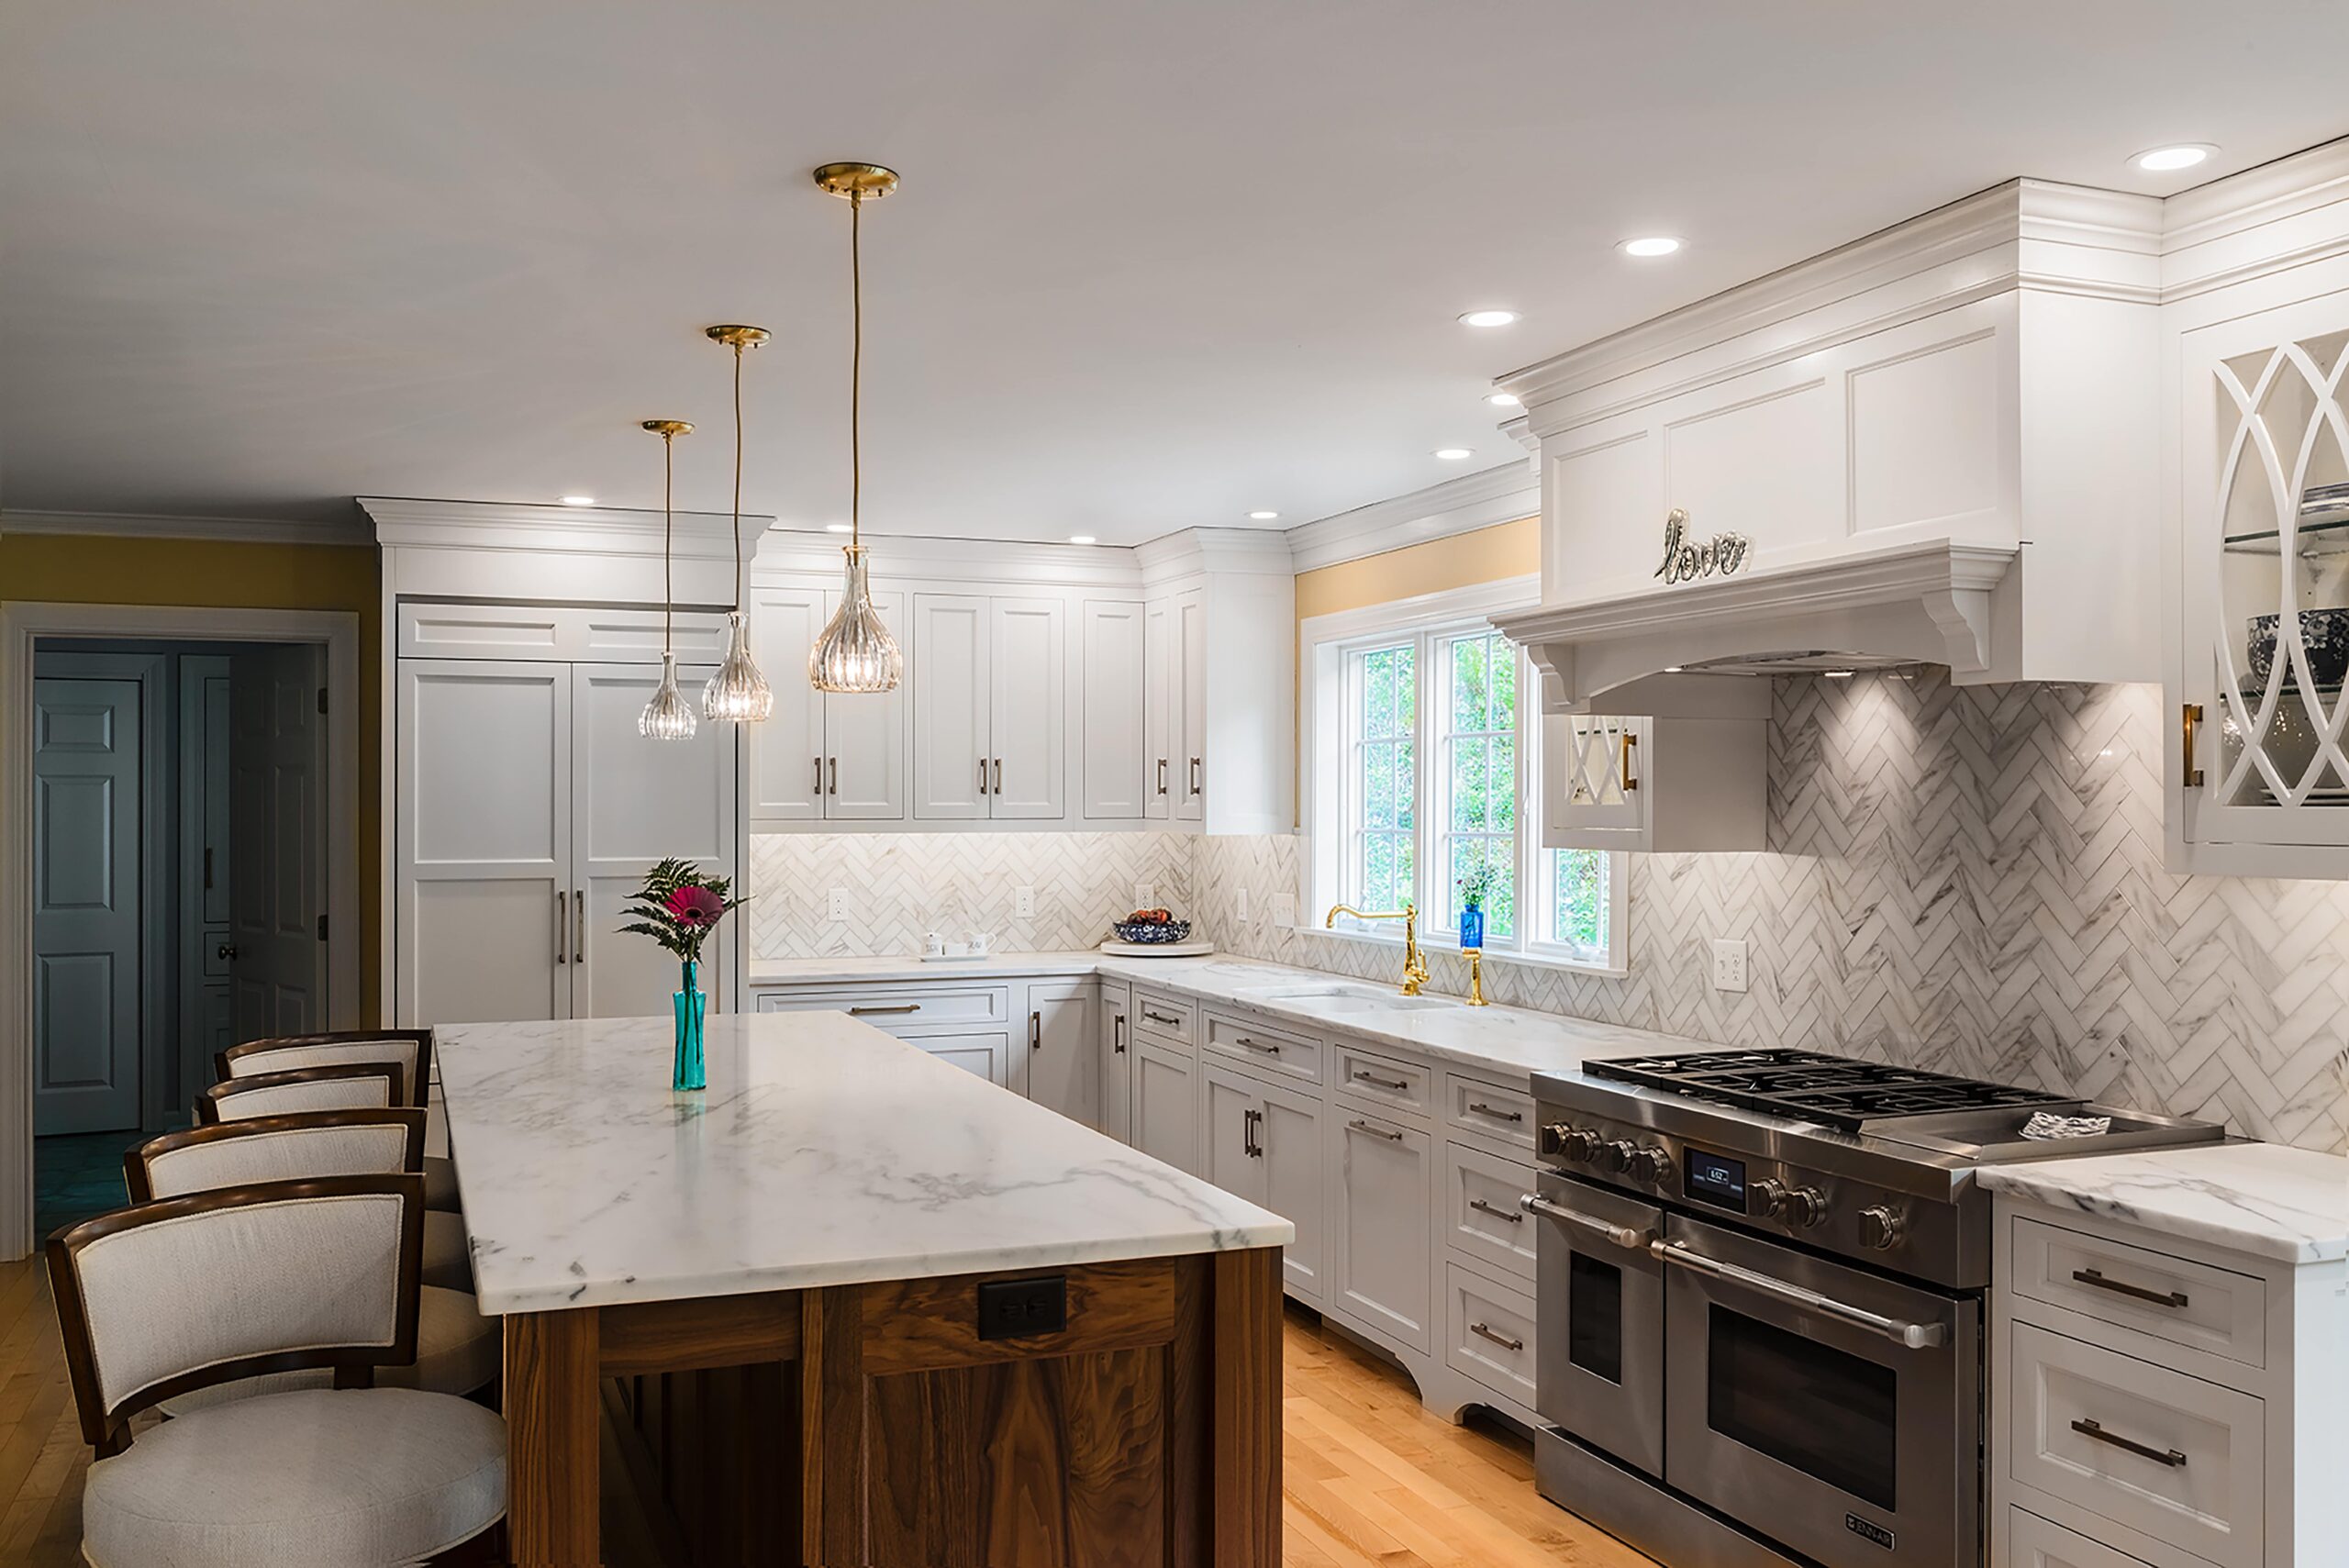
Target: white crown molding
352, 531
1473, 500
802, 551
401, 523
1197, 552
2298, 182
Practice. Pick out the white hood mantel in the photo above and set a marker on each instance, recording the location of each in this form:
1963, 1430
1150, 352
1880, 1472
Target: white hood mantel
1922, 604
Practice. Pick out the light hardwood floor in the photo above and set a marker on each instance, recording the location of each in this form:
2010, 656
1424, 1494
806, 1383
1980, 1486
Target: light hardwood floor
1373, 1480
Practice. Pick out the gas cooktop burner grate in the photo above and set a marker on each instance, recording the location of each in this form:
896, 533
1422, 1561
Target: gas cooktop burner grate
1810, 1085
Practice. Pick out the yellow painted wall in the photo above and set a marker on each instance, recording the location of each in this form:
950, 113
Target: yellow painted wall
78, 569
1505, 549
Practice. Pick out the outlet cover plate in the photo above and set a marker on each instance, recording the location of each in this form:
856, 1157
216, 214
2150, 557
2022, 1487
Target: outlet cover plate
1023, 902
1240, 899
1729, 963
1285, 909
839, 909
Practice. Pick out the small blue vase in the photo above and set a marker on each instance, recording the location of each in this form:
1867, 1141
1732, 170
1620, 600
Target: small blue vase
691, 1005
1472, 927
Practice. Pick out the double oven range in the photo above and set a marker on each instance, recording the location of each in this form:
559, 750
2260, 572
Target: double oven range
1761, 1308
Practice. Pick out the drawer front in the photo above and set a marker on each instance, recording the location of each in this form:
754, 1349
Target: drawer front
1504, 1115
2034, 1542
1490, 1333
1171, 1020
1269, 1049
2174, 1299
1480, 1209
904, 1010
2177, 1458
1381, 1079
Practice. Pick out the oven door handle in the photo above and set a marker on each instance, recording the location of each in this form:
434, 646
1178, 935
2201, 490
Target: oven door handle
1624, 1236
1913, 1336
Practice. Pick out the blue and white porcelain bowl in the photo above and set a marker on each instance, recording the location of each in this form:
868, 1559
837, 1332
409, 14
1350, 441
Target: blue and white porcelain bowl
2325, 633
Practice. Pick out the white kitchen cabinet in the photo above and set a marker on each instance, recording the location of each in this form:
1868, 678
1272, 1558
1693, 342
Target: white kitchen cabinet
1109, 671
983, 1054
948, 672
835, 756
1161, 727
1220, 682
1167, 1110
1064, 1049
1187, 722
1114, 1032
526, 811
1262, 1141
989, 681
1382, 1261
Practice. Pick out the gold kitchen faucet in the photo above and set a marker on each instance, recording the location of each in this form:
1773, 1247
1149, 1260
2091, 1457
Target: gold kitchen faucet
1415, 964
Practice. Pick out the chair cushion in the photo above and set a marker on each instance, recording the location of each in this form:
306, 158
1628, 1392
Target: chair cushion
440, 1183
323, 1478
458, 1350
448, 1252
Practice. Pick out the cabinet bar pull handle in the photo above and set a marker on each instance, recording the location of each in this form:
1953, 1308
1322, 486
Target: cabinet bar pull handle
579, 937
835, 788
819, 776
1478, 1107
2190, 719
1035, 1031
876, 1009
1118, 1032
1630, 785
1197, 788
562, 937
1361, 1126
1503, 1340
1246, 1043
1159, 1017
1161, 775
1397, 1085
2170, 1457
1481, 1206
2135, 1292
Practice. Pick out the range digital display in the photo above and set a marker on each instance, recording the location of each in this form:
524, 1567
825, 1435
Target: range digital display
1714, 1180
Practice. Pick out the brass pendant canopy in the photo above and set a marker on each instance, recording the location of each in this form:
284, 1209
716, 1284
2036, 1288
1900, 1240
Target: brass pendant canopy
668, 716
855, 652
738, 693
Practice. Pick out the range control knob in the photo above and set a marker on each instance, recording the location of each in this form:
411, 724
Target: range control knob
1652, 1164
1616, 1158
1769, 1197
1882, 1228
1806, 1206
1578, 1143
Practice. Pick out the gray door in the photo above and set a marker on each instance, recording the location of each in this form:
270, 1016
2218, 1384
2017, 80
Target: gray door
277, 934
86, 913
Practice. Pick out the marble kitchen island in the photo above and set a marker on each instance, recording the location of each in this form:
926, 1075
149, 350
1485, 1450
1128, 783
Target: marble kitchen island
852, 1305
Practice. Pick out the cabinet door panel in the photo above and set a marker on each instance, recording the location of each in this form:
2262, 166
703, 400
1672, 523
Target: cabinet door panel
1191, 705
864, 736
1289, 1137
1063, 1059
983, 1054
1028, 776
785, 749
1165, 1113
482, 855
1111, 672
1117, 1051
1230, 1162
1159, 722
1380, 1186
950, 691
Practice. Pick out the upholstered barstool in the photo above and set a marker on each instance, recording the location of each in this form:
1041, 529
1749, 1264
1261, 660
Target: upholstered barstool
165, 1298
412, 1049
458, 1350
343, 1086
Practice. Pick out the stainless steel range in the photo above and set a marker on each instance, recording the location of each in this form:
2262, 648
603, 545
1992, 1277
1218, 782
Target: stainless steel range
1761, 1318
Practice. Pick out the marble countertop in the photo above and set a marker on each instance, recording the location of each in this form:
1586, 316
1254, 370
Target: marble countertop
2266, 1199
1509, 1042
823, 1152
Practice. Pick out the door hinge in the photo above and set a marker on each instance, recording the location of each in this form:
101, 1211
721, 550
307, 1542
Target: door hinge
322, 927
322, 699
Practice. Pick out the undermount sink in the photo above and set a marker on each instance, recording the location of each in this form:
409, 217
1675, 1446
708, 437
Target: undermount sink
1351, 998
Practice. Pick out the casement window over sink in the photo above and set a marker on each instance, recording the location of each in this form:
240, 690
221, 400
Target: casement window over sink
1420, 770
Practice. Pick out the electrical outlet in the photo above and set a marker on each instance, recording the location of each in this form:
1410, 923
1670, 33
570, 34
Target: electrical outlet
840, 903
1285, 909
1023, 902
1729, 964
1145, 895
1240, 911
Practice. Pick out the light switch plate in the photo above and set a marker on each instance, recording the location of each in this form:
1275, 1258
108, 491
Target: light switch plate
1241, 910
1285, 909
1023, 902
1145, 895
840, 903
1729, 964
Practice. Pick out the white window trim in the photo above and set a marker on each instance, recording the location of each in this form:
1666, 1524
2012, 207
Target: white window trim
1324, 644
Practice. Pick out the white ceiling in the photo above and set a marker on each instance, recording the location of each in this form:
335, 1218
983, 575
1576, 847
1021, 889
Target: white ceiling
1154, 265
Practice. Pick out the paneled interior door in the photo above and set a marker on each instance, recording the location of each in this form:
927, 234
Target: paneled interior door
86, 903
206, 856
635, 803
278, 886
485, 922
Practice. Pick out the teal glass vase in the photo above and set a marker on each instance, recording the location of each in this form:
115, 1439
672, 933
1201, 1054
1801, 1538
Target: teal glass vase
691, 1005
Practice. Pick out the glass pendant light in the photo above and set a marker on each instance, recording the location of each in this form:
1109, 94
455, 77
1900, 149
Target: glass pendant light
738, 693
668, 716
855, 652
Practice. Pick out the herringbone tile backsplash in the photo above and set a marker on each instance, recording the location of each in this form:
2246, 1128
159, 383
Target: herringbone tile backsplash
1968, 879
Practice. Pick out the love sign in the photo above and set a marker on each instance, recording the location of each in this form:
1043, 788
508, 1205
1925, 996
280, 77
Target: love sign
1685, 560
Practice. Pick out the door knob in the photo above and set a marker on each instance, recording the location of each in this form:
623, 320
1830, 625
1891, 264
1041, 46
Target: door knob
225, 950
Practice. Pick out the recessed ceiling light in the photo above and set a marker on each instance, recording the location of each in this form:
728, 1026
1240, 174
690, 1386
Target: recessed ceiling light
837, 527
2165, 160
579, 500
1453, 454
1261, 516
1504, 400
1079, 538
1492, 317
1839, 674
1650, 245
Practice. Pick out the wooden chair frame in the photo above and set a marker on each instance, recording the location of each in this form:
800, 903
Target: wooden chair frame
138, 1172
407, 1095
207, 1104
108, 1431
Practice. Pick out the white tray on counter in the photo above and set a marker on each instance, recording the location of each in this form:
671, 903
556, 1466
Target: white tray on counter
1196, 949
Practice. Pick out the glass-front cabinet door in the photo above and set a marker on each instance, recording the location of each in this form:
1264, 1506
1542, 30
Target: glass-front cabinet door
2260, 760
